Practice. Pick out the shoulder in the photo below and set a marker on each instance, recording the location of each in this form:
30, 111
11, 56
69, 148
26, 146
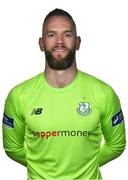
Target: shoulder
26, 87
99, 92
95, 85
91, 80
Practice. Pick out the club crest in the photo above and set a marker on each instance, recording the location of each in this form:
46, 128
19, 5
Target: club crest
84, 108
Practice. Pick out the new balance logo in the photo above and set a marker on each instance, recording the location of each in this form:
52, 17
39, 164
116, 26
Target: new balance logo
37, 111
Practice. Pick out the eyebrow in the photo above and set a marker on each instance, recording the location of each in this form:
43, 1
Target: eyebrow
53, 31
68, 31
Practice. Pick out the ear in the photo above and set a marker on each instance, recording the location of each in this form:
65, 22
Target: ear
78, 41
41, 44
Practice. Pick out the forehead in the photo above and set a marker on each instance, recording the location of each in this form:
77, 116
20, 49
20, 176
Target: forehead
58, 22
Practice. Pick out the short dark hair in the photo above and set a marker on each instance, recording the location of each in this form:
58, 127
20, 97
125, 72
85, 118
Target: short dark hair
59, 12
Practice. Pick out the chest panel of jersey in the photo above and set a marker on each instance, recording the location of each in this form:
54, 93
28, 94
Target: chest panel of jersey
62, 111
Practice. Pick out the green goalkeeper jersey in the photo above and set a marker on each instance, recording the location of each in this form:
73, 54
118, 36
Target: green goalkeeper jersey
57, 132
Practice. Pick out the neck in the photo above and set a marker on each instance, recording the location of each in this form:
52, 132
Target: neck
60, 78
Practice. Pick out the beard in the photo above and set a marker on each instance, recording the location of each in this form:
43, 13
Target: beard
60, 63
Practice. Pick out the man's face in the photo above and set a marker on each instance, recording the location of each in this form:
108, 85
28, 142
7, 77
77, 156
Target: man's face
59, 42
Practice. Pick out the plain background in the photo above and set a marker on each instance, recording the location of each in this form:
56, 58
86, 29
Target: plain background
103, 27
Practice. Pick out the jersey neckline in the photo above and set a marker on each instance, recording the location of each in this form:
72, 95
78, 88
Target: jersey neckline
68, 87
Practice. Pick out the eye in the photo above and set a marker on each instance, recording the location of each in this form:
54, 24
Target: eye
68, 35
51, 34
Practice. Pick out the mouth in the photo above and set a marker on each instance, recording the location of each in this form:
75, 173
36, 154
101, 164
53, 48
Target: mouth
59, 49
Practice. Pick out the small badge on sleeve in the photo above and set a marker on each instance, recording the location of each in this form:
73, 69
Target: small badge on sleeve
9, 122
117, 119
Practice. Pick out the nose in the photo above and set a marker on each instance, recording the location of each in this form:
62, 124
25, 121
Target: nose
59, 39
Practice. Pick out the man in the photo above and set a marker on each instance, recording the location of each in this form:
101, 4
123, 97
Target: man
54, 122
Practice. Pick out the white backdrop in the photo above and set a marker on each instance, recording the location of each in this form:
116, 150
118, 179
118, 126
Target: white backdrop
103, 27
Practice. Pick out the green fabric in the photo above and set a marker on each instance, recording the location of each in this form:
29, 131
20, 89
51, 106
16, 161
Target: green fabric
57, 131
